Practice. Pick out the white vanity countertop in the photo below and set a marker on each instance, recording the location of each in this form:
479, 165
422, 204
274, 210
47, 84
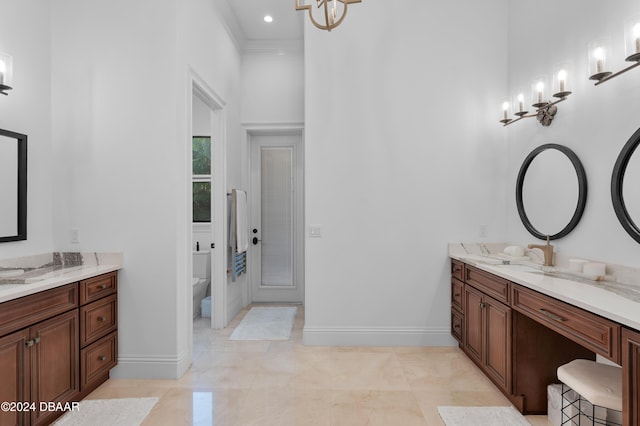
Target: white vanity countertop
93, 264
616, 301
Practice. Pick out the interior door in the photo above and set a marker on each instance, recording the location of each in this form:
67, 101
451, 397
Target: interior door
276, 218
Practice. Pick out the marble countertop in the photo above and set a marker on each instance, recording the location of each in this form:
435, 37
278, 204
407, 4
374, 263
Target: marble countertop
47, 271
614, 300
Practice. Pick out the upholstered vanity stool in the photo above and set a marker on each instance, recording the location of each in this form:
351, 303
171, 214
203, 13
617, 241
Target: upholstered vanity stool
588, 389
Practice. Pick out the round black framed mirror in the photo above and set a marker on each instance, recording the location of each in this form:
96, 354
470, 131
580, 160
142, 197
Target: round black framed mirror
552, 184
626, 201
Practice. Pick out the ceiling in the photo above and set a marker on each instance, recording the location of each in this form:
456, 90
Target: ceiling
287, 21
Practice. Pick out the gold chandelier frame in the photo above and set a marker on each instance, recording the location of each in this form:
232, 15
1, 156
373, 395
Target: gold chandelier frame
331, 20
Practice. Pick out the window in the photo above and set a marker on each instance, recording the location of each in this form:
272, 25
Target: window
201, 160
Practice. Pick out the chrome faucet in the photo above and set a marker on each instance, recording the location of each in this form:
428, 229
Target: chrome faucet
547, 250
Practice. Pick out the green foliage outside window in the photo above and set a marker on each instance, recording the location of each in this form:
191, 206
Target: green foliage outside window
201, 155
201, 158
202, 201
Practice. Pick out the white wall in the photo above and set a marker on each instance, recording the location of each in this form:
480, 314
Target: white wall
122, 148
273, 85
402, 155
595, 122
25, 32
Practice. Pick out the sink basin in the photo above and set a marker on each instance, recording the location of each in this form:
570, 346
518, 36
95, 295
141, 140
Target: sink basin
11, 273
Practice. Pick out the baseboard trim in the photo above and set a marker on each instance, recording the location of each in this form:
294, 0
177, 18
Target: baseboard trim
146, 367
377, 336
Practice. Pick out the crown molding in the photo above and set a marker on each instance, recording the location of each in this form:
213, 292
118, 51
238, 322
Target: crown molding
231, 24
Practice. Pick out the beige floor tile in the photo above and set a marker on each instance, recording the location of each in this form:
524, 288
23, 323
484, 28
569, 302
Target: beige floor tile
367, 371
287, 406
237, 383
198, 407
299, 370
354, 408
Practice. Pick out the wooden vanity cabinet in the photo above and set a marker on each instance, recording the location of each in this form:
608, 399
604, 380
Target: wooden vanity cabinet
56, 346
630, 377
98, 330
487, 335
506, 332
39, 363
457, 299
15, 372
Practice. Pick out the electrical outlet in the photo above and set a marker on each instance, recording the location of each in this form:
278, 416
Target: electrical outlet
483, 230
315, 231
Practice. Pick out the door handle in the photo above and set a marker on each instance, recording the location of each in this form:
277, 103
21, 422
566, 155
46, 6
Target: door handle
255, 240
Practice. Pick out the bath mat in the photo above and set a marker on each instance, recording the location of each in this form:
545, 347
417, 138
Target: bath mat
265, 323
482, 416
108, 412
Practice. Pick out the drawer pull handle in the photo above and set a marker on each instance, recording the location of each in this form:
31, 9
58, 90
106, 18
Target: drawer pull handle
102, 358
456, 295
32, 342
102, 286
102, 319
551, 315
456, 326
483, 305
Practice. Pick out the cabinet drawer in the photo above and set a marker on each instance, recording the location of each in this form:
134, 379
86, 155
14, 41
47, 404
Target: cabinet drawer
25, 311
494, 286
456, 325
97, 359
98, 287
457, 269
98, 319
457, 298
589, 330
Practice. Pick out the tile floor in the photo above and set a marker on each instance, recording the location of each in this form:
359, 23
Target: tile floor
286, 383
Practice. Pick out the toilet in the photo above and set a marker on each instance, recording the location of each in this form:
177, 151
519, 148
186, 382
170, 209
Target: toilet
201, 279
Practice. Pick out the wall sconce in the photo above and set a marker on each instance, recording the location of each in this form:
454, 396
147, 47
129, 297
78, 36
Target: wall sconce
600, 50
6, 72
545, 110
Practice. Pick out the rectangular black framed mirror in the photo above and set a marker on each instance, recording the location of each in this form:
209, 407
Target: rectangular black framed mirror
13, 186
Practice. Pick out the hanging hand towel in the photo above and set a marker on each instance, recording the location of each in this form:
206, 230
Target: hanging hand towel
242, 237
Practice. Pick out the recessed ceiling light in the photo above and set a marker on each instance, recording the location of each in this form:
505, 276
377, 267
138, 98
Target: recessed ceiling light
268, 18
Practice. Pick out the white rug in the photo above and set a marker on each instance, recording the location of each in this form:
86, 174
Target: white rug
109, 412
265, 323
482, 416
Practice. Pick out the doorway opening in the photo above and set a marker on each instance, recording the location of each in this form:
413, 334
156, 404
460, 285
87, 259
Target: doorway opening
207, 205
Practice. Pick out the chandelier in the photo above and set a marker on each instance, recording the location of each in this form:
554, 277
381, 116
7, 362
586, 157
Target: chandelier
329, 14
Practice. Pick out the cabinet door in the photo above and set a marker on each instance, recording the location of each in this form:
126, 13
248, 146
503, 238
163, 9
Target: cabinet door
54, 362
497, 355
473, 323
630, 377
14, 374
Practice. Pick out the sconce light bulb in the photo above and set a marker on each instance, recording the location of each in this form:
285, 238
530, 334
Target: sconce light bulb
540, 87
636, 30
598, 53
520, 97
562, 75
3, 66
505, 106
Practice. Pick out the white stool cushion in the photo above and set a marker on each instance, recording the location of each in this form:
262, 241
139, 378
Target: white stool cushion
598, 383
